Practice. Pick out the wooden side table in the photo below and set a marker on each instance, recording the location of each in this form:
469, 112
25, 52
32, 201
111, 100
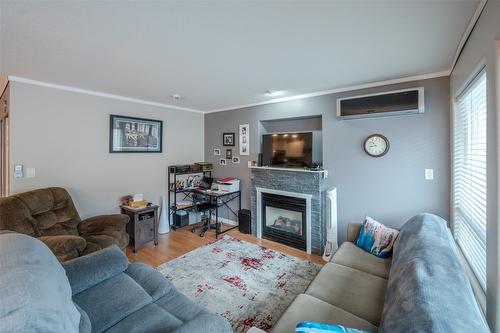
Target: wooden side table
143, 225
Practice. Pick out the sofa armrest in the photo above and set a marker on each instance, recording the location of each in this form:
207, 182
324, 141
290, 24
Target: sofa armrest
87, 271
65, 247
353, 229
100, 224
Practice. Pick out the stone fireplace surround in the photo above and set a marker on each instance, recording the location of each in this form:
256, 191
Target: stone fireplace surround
298, 183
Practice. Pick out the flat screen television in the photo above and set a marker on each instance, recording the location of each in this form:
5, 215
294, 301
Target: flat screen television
287, 150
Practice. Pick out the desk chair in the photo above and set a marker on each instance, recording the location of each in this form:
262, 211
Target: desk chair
202, 205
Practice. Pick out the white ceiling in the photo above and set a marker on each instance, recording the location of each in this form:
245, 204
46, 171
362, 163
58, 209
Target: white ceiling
222, 54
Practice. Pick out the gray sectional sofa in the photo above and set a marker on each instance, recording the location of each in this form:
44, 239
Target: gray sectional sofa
422, 288
115, 296
100, 292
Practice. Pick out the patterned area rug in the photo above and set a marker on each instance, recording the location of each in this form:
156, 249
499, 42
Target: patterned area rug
243, 282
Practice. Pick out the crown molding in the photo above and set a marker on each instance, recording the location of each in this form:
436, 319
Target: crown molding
339, 90
99, 94
468, 32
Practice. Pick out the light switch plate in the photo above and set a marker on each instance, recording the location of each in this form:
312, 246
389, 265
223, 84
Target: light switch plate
18, 171
249, 164
429, 174
30, 172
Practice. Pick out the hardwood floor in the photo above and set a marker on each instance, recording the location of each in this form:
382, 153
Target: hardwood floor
177, 243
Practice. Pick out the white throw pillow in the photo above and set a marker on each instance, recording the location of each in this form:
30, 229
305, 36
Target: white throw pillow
35, 295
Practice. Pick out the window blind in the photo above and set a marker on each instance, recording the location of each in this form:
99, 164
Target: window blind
469, 175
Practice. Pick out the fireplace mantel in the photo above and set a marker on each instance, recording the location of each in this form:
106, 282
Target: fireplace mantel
323, 173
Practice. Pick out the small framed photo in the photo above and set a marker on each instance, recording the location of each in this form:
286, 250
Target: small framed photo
244, 139
228, 139
222, 161
216, 151
236, 160
229, 154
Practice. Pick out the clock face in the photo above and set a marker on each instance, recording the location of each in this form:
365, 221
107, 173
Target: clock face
376, 145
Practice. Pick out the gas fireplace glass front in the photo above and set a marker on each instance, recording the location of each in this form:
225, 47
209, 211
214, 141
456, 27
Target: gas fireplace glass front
284, 219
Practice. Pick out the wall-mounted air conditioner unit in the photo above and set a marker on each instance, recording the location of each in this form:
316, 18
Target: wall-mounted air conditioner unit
392, 103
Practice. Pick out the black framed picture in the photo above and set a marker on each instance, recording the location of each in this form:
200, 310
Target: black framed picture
229, 154
135, 135
228, 139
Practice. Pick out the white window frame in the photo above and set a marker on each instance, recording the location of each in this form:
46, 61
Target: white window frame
478, 282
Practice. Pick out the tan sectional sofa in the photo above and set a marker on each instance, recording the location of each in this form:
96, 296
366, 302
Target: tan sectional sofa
349, 291
422, 288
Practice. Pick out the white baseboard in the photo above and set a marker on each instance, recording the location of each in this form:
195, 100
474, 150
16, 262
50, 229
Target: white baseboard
226, 221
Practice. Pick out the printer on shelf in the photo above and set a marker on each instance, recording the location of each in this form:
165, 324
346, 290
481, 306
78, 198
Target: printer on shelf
228, 184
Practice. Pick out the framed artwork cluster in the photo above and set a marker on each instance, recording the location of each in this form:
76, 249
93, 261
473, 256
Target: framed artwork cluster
229, 140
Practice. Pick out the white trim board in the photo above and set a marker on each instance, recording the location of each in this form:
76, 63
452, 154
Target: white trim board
467, 32
99, 94
225, 221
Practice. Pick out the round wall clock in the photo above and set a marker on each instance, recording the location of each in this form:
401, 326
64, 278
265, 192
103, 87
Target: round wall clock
376, 145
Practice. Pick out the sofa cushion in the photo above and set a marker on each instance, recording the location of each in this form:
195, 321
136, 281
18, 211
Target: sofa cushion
352, 256
87, 271
428, 290
151, 280
112, 300
308, 308
180, 305
173, 312
357, 292
53, 210
35, 295
108, 238
151, 318
15, 216
65, 247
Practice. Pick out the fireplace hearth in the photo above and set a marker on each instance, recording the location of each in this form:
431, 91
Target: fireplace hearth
284, 220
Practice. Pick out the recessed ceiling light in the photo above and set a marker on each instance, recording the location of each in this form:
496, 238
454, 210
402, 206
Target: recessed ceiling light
285, 135
176, 96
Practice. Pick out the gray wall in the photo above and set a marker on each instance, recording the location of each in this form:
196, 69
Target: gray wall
390, 189
483, 49
65, 136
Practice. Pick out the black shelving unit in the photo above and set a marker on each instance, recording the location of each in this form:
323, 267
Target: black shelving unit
173, 191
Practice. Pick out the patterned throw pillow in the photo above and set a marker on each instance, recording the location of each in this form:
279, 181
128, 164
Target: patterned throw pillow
376, 238
310, 327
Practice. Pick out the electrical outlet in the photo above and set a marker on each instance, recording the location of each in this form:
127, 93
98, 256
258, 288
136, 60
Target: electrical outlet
429, 174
